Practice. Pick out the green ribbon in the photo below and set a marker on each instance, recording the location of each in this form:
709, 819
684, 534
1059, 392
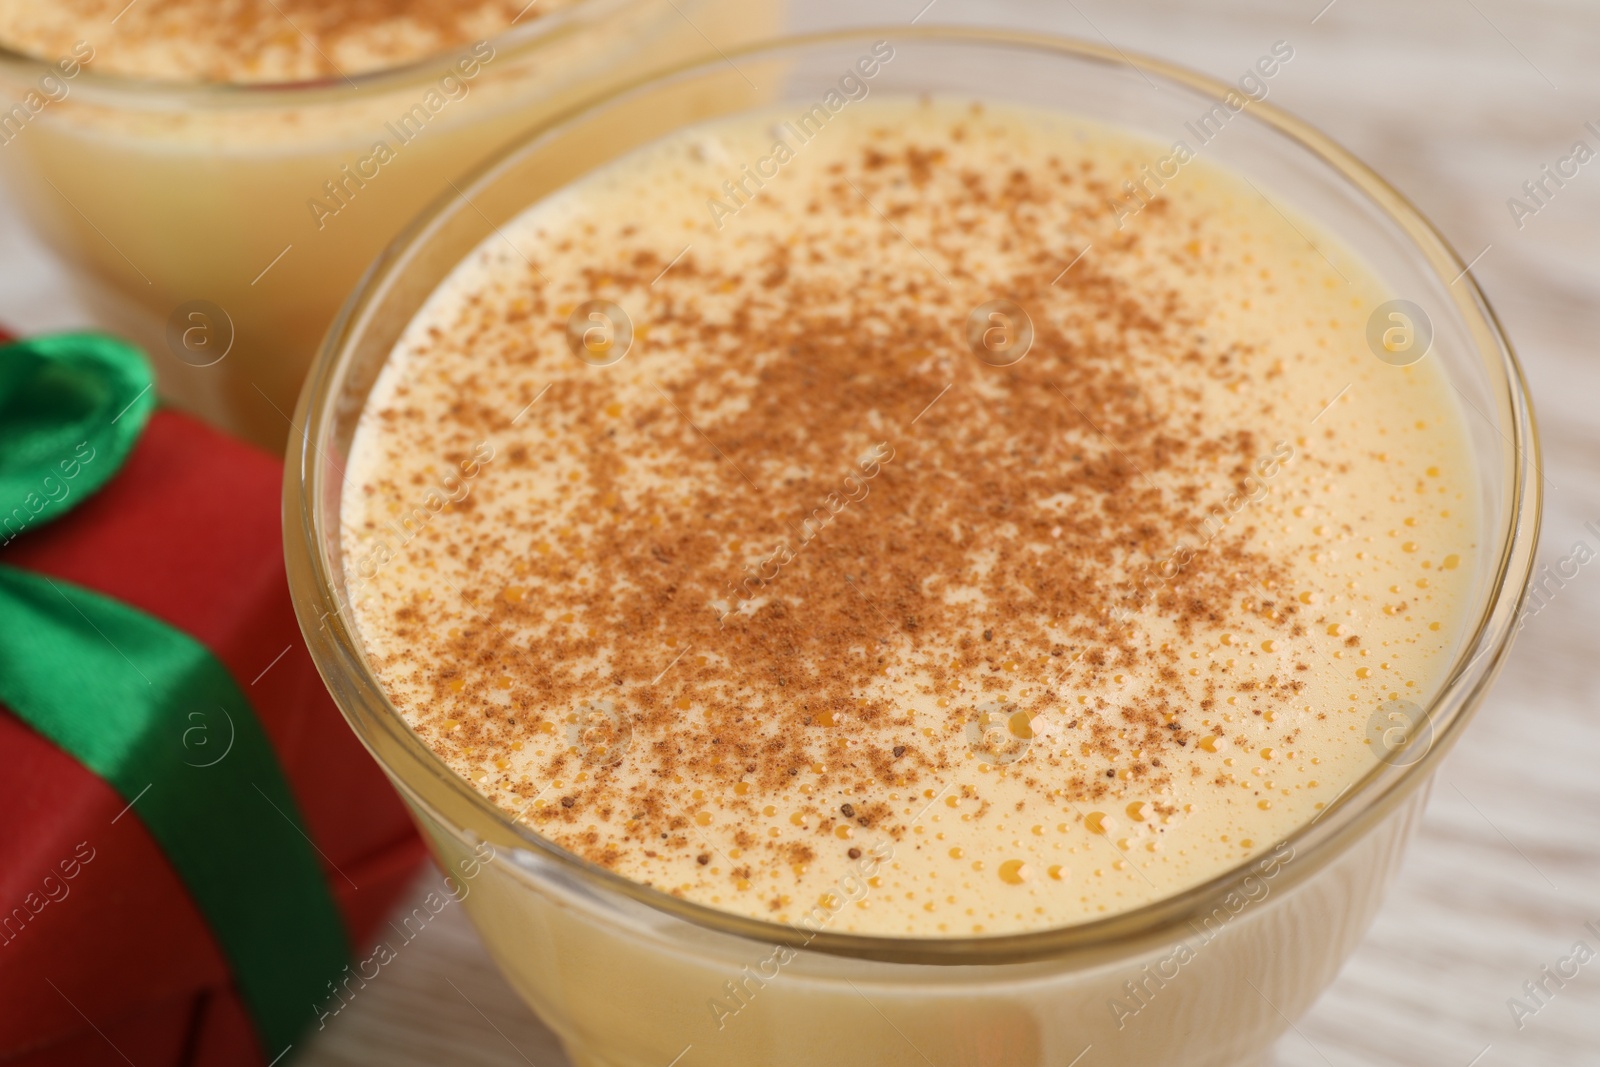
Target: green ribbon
62, 398
149, 709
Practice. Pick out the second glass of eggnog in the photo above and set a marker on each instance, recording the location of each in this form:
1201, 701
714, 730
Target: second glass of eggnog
955, 557
218, 176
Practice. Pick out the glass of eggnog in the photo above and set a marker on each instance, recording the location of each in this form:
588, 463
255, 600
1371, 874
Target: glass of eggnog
916, 546
218, 176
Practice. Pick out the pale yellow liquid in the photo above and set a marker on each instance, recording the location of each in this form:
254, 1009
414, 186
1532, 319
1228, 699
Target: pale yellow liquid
1368, 515
156, 202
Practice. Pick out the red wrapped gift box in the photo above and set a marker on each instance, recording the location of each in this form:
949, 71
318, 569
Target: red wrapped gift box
108, 961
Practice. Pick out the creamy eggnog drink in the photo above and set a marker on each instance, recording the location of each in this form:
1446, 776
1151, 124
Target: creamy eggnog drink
906, 494
255, 41
219, 174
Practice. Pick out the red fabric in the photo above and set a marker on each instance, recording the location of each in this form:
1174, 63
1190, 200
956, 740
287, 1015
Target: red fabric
189, 532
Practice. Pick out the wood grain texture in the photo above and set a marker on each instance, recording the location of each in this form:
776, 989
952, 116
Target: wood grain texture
1457, 102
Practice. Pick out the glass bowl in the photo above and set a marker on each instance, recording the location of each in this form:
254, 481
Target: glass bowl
629, 976
220, 226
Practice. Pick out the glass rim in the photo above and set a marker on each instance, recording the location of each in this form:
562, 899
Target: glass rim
331, 639
546, 28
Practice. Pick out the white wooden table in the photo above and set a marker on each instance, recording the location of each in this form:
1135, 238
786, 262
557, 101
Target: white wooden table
1457, 102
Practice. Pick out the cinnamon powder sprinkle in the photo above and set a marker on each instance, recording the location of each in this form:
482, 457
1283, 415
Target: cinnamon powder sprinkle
801, 572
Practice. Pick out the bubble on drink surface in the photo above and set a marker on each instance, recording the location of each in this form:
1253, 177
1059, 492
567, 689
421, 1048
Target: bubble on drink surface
200, 333
599, 333
1400, 732
999, 332
208, 738
998, 732
600, 732
1399, 332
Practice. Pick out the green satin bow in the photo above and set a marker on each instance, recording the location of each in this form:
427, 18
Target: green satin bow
125, 694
